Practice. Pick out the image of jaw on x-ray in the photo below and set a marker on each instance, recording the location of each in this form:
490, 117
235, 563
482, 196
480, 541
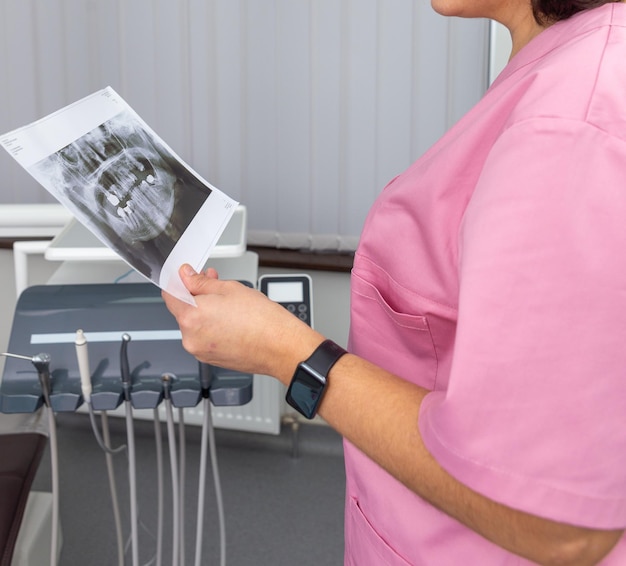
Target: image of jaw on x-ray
134, 194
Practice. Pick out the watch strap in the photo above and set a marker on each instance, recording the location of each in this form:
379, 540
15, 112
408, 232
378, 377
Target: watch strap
324, 357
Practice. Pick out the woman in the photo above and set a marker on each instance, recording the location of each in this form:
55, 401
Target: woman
483, 398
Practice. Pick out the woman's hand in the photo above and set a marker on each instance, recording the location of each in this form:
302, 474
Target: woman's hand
239, 328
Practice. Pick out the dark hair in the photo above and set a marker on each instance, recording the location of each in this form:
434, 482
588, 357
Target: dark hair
550, 11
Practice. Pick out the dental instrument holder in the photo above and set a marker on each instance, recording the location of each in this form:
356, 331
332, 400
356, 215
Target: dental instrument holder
46, 319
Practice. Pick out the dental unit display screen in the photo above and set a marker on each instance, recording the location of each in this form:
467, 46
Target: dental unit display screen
285, 292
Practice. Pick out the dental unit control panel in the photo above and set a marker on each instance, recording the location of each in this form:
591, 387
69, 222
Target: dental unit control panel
47, 318
291, 291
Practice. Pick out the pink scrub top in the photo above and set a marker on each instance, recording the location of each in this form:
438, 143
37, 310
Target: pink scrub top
493, 272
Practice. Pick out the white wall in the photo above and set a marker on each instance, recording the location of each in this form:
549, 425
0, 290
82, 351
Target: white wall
499, 49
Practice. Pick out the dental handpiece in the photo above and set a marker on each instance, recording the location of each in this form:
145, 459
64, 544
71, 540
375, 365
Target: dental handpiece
42, 365
124, 366
82, 356
205, 378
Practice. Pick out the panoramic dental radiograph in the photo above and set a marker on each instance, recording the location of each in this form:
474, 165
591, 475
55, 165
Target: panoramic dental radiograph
138, 197
131, 186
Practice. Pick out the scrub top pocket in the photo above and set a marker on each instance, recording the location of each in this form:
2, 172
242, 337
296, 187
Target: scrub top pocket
413, 356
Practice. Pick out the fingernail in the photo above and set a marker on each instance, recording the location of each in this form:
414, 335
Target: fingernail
188, 270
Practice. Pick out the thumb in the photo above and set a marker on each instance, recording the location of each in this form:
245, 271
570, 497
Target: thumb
196, 283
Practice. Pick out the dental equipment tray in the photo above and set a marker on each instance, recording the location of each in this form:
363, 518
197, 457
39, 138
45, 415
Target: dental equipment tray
46, 320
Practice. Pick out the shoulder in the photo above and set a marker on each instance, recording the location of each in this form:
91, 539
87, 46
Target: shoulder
573, 71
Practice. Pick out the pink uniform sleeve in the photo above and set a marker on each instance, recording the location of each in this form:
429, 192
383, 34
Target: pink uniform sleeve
535, 413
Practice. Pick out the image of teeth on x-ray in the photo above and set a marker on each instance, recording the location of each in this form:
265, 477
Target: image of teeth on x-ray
135, 194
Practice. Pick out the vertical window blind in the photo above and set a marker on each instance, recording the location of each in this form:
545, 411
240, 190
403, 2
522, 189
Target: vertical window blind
300, 109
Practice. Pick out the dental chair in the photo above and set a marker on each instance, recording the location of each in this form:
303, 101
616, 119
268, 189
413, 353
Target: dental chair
22, 444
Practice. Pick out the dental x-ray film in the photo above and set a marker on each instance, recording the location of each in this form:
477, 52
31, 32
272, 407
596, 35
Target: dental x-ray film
100, 160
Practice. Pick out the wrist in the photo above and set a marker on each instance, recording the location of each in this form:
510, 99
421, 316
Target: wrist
310, 379
297, 350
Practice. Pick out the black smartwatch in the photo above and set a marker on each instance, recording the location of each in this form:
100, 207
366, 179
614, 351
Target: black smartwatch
309, 381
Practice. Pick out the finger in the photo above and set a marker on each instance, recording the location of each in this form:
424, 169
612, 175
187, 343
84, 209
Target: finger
197, 283
173, 304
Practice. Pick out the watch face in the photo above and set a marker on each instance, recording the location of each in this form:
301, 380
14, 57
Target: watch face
305, 392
